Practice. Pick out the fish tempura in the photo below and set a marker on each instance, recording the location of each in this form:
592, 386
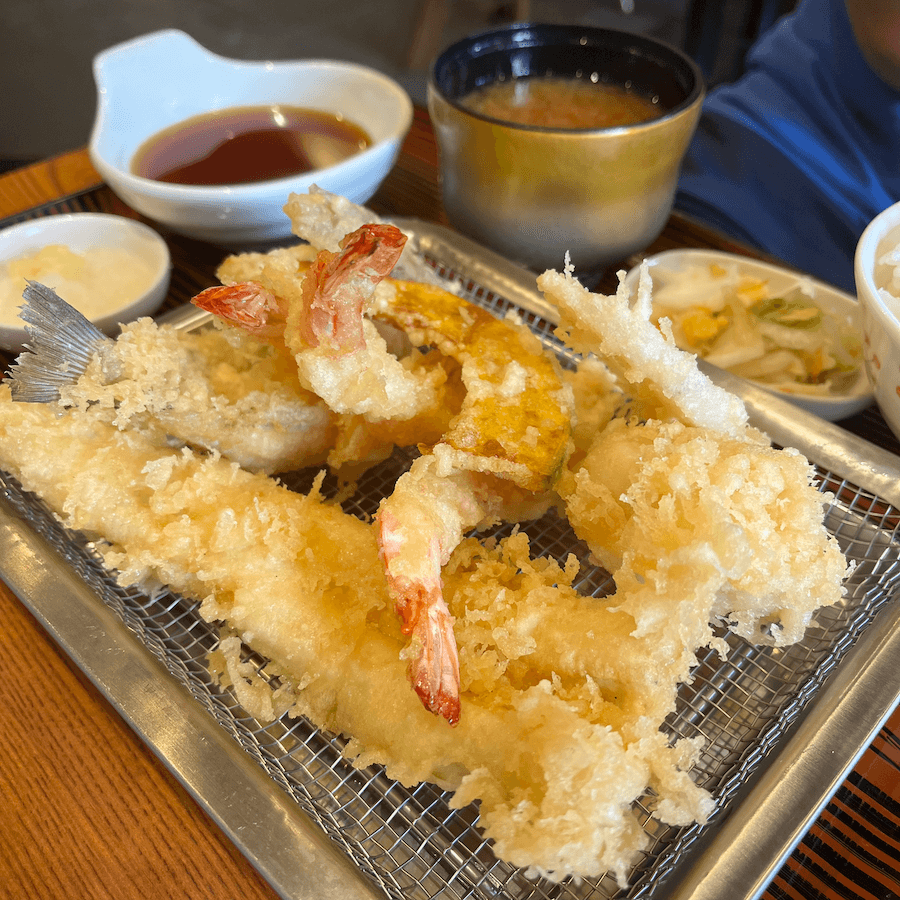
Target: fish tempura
559, 738
210, 389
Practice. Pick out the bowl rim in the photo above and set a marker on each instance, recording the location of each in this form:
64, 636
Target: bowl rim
692, 101
866, 258
61, 221
14, 336
400, 117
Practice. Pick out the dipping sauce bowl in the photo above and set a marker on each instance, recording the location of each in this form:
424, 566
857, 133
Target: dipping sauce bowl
152, 83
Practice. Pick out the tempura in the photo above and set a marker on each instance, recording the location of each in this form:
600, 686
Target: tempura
561, 697
560, 733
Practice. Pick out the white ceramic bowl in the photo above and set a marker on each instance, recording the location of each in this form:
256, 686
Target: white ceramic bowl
81, 232
152, 82
828, 298
881, 311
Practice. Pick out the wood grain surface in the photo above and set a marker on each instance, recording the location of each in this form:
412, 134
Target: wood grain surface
31, 186
86, 811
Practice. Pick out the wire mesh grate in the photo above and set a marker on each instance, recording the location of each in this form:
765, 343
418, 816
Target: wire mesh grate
409, 841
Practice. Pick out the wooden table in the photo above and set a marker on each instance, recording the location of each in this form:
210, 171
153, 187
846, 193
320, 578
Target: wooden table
87, 811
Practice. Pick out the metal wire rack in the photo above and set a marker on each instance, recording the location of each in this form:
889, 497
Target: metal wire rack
409, 842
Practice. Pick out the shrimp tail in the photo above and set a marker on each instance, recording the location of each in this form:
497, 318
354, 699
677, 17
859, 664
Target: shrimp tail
247, 305
338, 285
61, 344
433, 668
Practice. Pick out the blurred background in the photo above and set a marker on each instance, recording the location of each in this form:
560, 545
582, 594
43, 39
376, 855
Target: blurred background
46, 46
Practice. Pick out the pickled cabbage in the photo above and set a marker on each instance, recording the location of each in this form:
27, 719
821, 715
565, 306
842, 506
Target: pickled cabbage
734, 320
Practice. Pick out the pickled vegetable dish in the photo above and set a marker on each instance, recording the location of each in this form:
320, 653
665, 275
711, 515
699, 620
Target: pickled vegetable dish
780, 338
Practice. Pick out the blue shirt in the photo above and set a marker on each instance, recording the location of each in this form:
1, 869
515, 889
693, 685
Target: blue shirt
803, 151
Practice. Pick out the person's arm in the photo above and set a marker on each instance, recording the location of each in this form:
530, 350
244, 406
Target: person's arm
876, 26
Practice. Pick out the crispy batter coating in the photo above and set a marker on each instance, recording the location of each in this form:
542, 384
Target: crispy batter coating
214, 389
663, 381
696, 517
366, 379
730, 527
515, 420
559, 738
684, 497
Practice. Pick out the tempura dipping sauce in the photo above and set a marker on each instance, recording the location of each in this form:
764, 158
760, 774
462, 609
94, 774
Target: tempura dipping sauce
559, 102
248, 144
96, 282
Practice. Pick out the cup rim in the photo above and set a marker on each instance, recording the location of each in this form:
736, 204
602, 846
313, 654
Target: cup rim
519, 33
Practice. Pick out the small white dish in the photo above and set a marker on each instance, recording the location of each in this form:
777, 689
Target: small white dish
152, 82
82, 232
829, 299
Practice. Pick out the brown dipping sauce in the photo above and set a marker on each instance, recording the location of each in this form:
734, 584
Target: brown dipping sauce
247, 144
558, 102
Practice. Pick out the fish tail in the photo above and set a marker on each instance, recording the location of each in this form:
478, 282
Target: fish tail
60, 346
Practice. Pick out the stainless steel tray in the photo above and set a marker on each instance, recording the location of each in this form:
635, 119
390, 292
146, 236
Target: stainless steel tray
783, 727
